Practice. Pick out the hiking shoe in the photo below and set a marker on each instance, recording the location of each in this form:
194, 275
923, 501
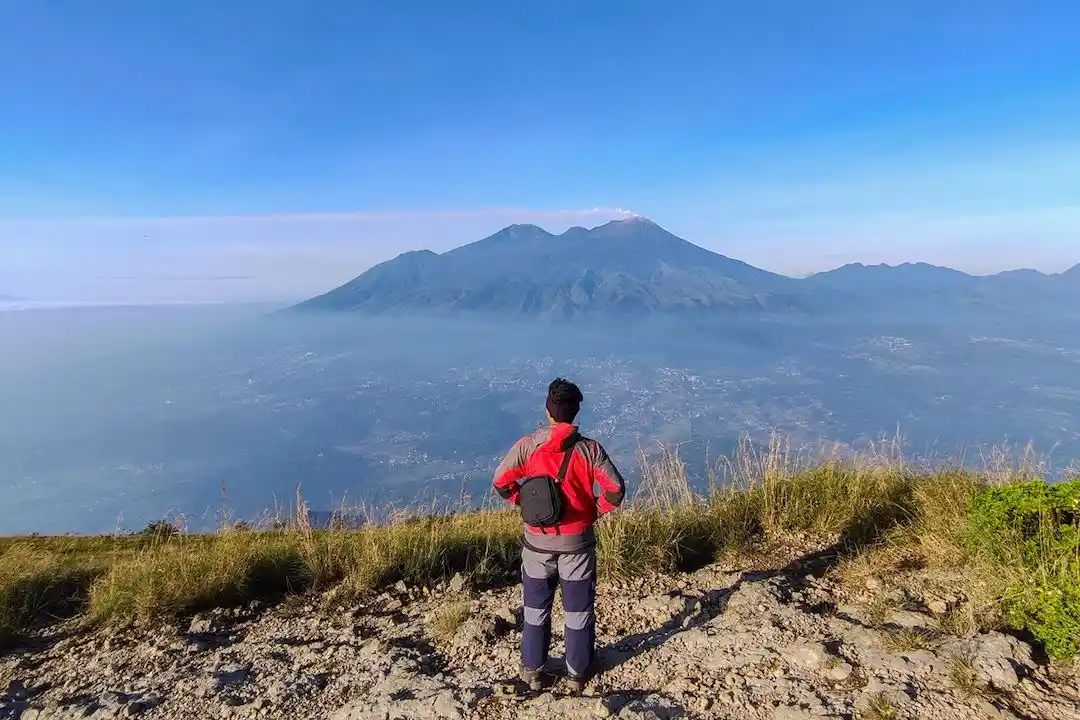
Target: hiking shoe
533, 678
576, 684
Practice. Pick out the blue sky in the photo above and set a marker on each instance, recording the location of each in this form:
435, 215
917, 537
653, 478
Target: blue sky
205, 149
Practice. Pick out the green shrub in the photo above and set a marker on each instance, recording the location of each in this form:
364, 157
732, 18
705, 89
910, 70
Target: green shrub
1033, 530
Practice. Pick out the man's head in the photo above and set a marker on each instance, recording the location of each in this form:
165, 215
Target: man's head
563, 401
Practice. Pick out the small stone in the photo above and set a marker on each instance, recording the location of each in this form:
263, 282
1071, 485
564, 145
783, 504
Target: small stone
457, 583
808, 654
229, 675
201, 626
840, 672
791, 713
401, 587
909, 620
938, 607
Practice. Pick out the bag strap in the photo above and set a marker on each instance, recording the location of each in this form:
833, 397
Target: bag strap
566, 462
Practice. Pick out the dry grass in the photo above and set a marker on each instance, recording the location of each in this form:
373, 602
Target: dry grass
880, 707
907, 640
963, 675
893, 520
448, 618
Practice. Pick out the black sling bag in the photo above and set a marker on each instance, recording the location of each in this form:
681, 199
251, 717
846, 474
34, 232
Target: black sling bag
541, 498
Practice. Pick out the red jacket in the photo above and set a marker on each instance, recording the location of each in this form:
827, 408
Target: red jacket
541, 454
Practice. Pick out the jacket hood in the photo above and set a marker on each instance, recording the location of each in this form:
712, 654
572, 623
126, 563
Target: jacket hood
558, 437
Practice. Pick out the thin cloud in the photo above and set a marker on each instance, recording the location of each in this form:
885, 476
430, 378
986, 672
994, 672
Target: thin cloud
604, 213
238, 257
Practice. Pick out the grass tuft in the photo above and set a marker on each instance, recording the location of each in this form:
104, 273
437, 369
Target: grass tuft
963, 675
880, 707
908, 640
448, 619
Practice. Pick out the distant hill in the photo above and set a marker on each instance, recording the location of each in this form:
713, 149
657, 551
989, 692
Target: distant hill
1072, 273
909, 277
631, 267
7, 298
636, 268
920, 285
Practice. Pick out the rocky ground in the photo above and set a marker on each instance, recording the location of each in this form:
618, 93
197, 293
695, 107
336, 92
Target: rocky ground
777, 642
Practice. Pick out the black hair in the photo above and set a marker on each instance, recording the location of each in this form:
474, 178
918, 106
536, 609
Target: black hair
563, 400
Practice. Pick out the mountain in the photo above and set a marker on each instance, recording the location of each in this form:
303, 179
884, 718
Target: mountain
630, 266
860, 279
915, 287
7, 298
636, 268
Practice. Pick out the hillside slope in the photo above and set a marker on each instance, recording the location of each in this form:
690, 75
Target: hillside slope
761, 643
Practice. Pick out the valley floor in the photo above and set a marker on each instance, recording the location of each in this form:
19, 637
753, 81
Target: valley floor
755, 640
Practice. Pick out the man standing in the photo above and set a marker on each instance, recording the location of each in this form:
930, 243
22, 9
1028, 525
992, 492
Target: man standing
562, 552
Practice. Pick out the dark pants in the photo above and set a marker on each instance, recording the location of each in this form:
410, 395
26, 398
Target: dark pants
575, 573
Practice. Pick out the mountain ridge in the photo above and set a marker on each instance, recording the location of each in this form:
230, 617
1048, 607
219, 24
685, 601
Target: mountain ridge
635, 267
628, 266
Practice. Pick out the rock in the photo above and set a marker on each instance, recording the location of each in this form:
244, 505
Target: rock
649, 707
810, 655
457, 583
112, 701
400, 587
446, 707
791, 713
922, 661
937, 606
229, 675
404, 695
695, 639
507, 615
141, 705
908, 620
201, 625
1000, 659
840, 672
727, 660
